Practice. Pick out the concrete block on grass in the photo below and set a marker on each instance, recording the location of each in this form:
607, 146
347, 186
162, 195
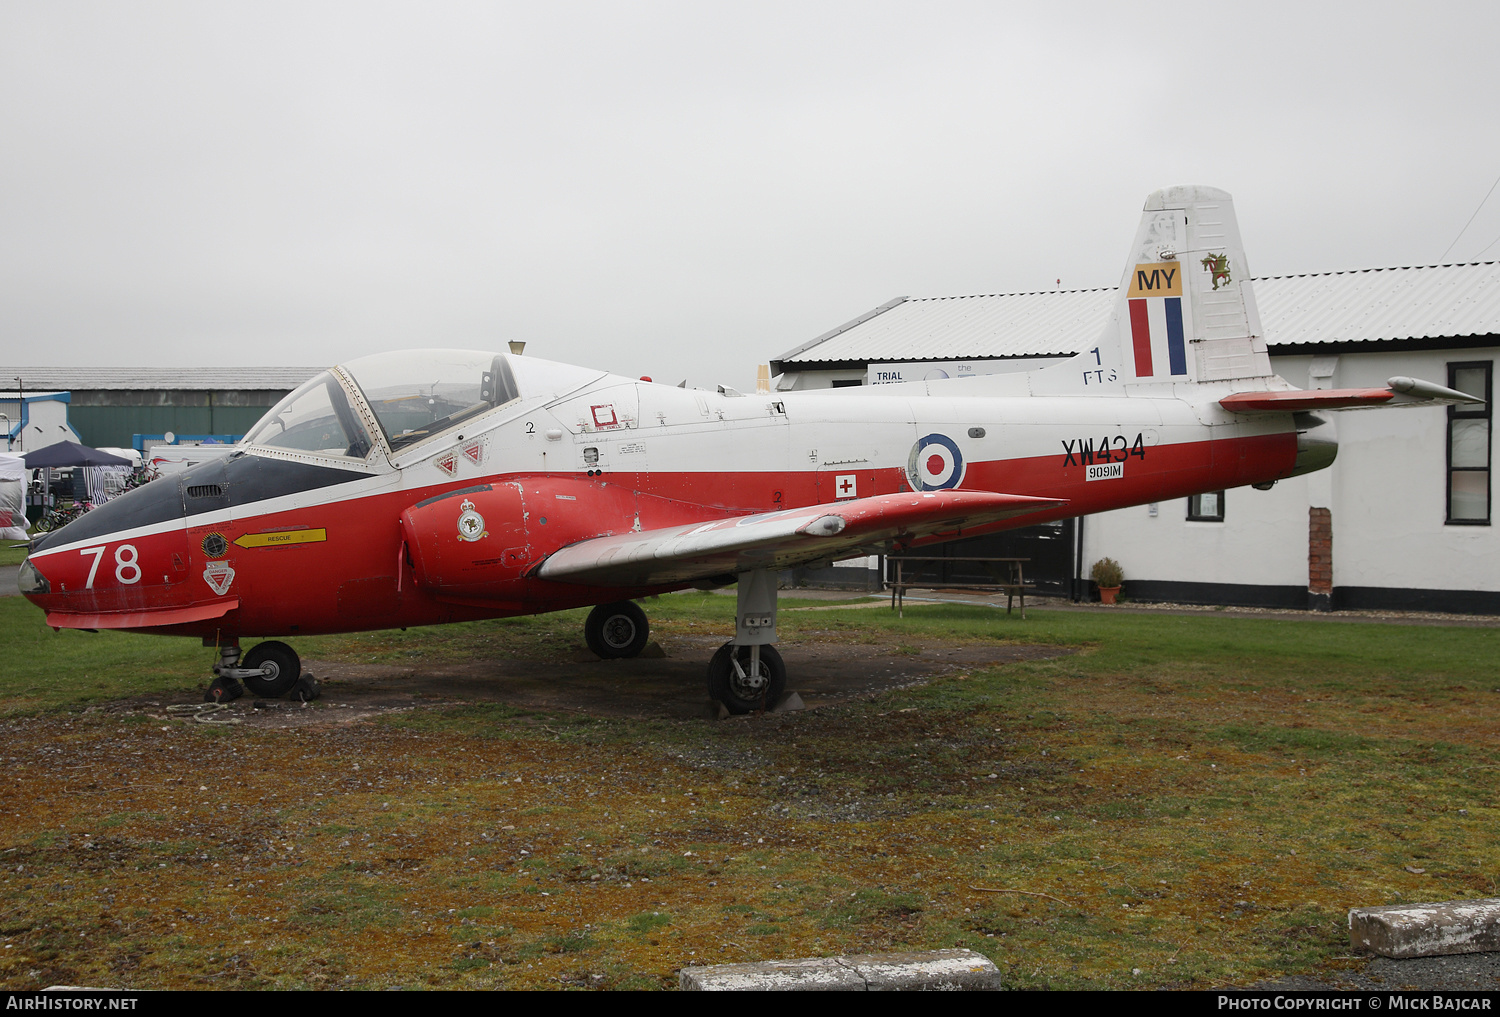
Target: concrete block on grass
1427, 930
807, 973
870, 972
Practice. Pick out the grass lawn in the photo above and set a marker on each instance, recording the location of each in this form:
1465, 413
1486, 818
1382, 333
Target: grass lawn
10, 554
1184, 802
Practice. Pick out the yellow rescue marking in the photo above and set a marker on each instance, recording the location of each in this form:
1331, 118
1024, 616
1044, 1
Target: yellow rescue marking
1161, 279
281, 538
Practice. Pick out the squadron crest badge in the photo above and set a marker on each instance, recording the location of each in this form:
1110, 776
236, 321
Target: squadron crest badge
470, 523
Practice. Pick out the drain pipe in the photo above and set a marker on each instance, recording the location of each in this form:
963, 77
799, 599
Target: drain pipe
1078, 559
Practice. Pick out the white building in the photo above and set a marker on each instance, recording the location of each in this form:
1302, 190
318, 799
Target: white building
1402, 518
34, 420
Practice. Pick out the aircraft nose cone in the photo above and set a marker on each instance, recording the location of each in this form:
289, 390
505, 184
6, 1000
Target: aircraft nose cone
30, 582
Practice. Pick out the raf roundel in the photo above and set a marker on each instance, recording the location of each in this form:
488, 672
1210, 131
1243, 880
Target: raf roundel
935, 463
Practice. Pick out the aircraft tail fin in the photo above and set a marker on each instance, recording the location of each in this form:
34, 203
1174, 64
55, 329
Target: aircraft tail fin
1185, 311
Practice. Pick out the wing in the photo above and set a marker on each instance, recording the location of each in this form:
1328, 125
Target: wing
1400, 392
777, 540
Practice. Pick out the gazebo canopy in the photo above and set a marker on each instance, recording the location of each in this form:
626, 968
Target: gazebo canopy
70, 453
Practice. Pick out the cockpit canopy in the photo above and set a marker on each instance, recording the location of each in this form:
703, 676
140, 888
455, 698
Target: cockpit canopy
417, 394
413, 395
316, 418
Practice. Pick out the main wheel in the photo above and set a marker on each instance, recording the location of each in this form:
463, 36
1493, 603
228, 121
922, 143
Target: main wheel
738, 689
281, 666
617, 630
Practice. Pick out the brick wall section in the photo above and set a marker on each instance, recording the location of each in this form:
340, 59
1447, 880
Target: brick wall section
1319, 550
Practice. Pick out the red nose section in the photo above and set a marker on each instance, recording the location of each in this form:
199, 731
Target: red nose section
150, 581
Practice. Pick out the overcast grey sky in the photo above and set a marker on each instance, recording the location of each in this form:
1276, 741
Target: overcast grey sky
687, 189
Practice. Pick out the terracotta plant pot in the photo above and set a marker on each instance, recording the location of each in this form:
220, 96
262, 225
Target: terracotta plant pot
1107, 594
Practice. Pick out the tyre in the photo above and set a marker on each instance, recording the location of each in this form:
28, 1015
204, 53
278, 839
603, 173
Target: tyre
281, 665
738, 689
617, 630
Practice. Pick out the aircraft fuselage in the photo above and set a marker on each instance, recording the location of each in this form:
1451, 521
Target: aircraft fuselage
270, 542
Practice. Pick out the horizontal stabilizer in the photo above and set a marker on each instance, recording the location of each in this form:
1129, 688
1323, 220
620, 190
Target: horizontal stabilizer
1296, 399
778, 540
1401, 392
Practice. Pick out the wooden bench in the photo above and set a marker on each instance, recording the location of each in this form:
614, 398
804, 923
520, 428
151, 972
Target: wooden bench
1014, 587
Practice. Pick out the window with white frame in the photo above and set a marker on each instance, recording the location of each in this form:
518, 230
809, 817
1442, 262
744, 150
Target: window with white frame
1469, 442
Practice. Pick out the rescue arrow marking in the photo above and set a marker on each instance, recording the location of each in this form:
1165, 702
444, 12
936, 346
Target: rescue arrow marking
281, 538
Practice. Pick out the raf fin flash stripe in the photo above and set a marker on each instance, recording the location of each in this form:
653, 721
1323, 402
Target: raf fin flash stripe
1140, 336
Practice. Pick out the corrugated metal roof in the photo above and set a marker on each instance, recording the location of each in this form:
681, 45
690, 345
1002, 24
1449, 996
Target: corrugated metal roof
193, 379
1370, 305
1441, 301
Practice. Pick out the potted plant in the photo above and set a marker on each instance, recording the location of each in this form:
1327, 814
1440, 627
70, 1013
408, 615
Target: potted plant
1108, 575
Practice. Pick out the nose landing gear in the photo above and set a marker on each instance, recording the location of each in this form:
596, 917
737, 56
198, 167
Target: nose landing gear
269, 670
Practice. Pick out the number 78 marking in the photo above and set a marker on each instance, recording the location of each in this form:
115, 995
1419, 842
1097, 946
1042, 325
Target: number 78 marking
98, 553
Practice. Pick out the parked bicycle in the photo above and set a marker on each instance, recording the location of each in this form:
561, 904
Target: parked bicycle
140, 476
61, 515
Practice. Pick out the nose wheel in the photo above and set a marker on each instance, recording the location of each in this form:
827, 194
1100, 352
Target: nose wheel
277, 669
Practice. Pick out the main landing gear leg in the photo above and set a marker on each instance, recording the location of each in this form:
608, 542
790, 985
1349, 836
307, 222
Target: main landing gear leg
747, 673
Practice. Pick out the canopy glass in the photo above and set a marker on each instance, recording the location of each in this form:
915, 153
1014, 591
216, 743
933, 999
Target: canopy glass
316, 418
417, 394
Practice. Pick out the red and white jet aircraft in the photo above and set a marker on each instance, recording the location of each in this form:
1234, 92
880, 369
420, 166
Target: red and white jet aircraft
449, 485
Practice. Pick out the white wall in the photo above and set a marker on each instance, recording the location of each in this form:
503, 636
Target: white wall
1389, 488
1261, 542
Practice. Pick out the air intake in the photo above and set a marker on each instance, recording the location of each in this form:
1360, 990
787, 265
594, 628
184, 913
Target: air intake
205, 491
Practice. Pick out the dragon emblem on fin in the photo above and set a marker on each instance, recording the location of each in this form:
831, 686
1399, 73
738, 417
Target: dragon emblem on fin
1218, 266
